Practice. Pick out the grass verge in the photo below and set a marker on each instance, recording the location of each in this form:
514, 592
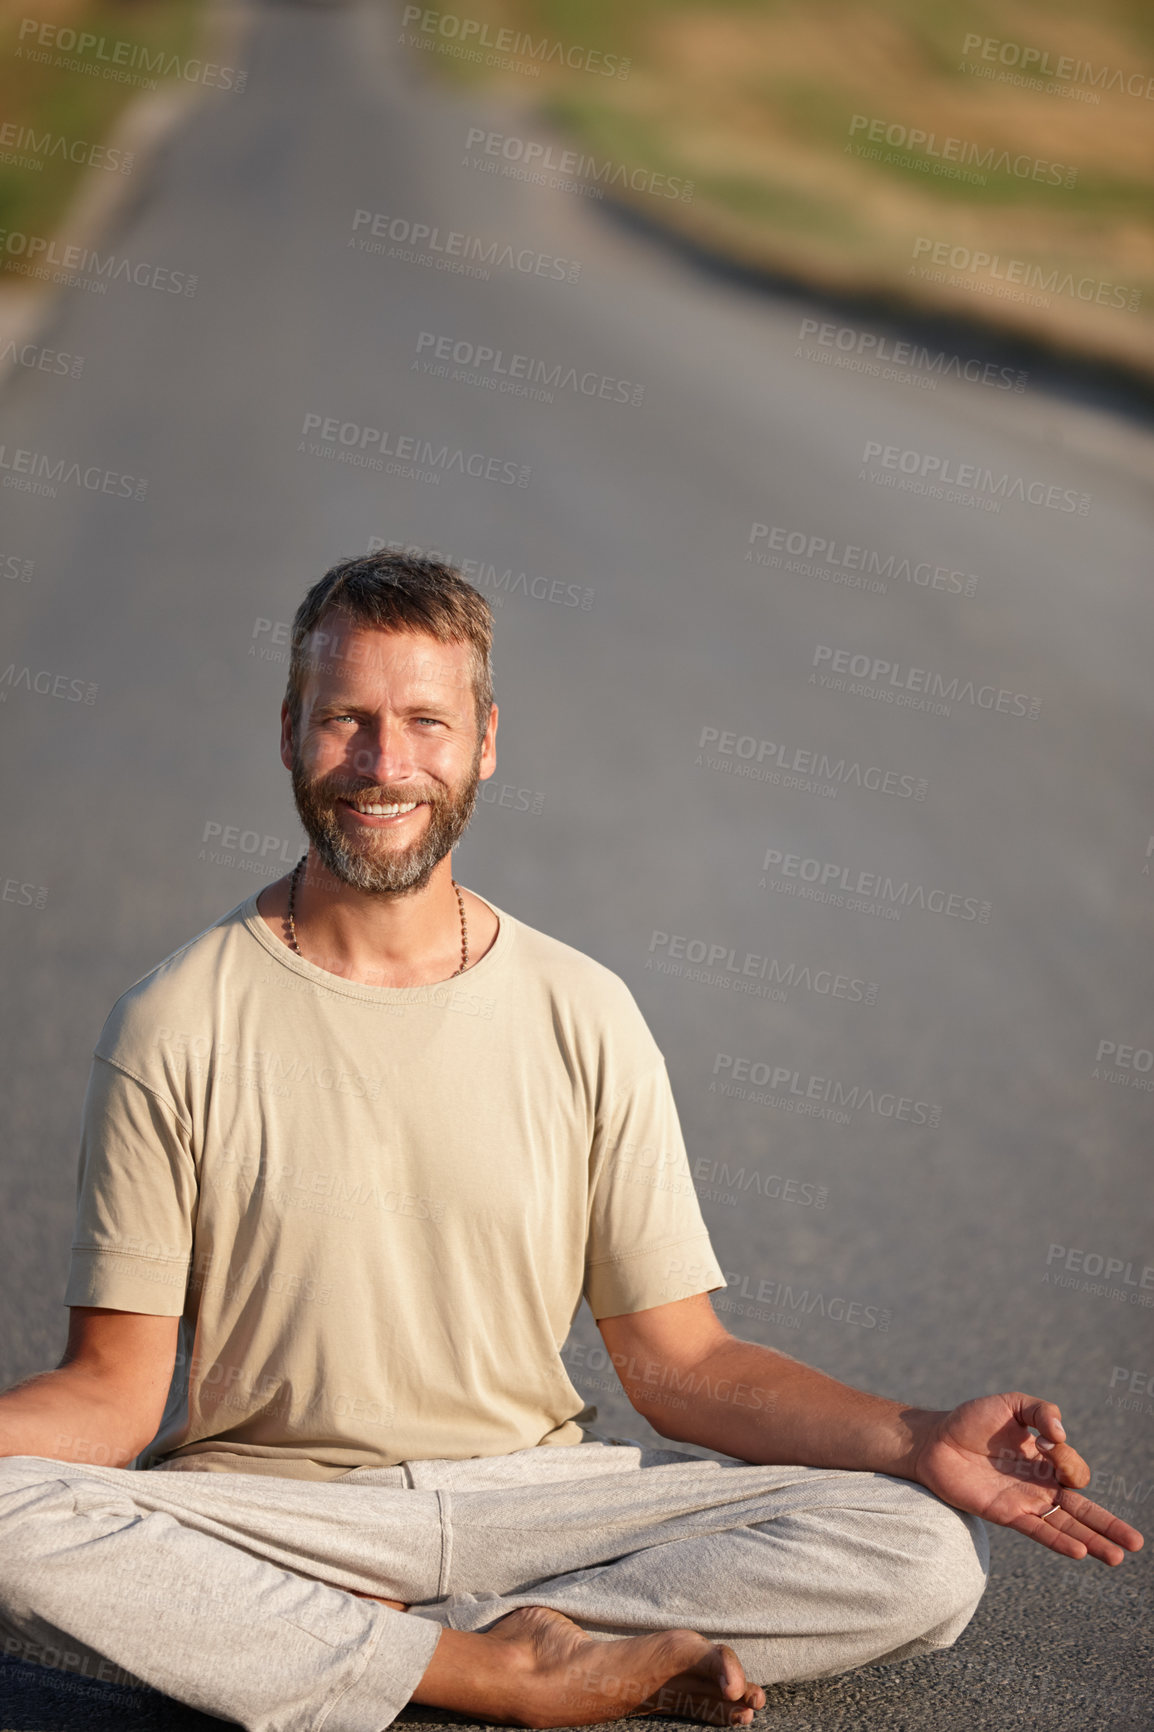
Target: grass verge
68, 69
992, 162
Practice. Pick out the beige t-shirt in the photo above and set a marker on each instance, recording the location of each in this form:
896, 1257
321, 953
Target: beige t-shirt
376, 1209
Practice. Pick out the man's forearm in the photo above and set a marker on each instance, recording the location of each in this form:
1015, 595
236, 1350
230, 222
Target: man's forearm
759, 1405
69, 1415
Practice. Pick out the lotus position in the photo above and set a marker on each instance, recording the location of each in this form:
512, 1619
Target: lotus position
351, 1158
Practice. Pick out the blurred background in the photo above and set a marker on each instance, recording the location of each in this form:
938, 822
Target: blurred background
782, 374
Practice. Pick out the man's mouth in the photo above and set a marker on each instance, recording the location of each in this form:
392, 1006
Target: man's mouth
380, 813
373, 809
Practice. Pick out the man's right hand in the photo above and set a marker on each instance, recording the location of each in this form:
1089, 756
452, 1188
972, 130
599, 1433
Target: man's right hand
105, 1400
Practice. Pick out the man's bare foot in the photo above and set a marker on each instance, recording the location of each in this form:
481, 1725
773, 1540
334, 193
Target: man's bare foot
539, 1669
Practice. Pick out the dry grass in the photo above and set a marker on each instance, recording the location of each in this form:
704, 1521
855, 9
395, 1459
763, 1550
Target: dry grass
755, 101
60, 103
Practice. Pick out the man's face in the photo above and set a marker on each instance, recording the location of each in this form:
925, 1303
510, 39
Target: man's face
387, 719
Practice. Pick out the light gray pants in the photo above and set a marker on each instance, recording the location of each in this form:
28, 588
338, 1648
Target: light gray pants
225, 1591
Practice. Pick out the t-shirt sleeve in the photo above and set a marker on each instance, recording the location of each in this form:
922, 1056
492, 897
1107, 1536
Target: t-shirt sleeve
647, 1243
136, 1201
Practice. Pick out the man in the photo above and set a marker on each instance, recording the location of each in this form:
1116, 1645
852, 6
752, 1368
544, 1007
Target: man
350, 1159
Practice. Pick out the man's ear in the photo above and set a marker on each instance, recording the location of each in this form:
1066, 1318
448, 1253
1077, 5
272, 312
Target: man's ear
286, 737
489, 746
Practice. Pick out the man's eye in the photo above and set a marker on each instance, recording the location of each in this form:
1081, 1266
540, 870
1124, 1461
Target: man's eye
434, 720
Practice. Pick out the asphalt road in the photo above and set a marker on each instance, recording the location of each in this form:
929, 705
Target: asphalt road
664, 713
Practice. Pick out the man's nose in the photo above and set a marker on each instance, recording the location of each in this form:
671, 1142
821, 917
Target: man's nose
383, 753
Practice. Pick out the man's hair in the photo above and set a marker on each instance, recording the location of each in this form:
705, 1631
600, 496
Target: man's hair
396, 592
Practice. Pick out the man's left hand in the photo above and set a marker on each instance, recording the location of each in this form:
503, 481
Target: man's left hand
983, 1457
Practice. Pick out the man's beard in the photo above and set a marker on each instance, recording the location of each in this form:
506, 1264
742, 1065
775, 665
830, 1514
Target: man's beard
376, 864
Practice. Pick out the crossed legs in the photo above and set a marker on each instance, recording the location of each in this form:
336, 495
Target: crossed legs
244, 1594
